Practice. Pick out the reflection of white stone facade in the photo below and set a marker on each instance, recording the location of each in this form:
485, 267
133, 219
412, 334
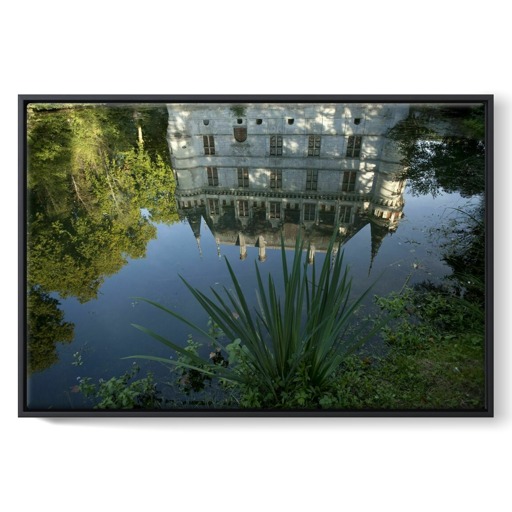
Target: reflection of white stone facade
288, 163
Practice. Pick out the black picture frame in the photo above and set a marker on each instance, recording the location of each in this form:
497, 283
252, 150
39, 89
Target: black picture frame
25, 100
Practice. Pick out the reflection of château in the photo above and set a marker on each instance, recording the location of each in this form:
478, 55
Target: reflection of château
256, 170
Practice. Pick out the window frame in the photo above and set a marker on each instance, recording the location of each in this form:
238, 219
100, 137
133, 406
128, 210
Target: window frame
354, 146
212, 174
209, 144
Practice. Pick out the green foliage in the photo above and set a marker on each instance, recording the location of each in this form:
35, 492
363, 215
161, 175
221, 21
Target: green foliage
238, 110
120, 393
292, 343
437, 158
88, 178
45, 328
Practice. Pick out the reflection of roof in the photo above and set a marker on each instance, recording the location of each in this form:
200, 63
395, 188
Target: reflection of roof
227, 230
378, 233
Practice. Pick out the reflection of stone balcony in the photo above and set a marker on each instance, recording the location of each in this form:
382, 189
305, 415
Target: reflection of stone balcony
278, 194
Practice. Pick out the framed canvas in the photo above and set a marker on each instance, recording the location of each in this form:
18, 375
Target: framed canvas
255, 255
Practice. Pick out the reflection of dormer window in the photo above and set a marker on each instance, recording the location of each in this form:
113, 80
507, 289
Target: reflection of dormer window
357, 120
275, 210
291, 120
309, 212
243, 208
314, 145
354, 146
345, 212
206, 122
276, 145
208, 145
259, 121
213, 206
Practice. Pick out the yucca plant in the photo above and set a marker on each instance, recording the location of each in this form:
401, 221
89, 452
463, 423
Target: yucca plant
303, 332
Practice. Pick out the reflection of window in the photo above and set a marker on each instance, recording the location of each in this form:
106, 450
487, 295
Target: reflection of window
243, 208
345, 212
314, 145
213, 176
349, 181
209, 145
354, 146
243, 177
276, 145
213, 206
276, 178
309, 211
311, 179
275, 210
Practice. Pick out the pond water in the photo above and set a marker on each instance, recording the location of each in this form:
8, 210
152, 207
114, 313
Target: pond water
112, 219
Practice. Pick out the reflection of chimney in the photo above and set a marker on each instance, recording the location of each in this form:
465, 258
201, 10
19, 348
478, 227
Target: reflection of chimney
243, 246
311, 254
261, 244
198, 241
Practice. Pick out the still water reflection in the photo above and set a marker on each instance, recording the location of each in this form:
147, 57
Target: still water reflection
123, 199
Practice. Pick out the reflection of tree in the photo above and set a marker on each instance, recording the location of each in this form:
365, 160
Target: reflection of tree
45, 327
465, 254
440, 154
88, 178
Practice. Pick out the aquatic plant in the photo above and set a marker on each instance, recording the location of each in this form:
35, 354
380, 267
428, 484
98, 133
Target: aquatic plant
291, 343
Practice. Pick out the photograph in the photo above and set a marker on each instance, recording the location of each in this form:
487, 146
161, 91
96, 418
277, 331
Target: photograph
255, 256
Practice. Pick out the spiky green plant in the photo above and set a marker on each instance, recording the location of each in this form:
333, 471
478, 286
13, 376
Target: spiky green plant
304, 332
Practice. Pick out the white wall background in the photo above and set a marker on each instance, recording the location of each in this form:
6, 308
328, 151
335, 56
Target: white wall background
260, 464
